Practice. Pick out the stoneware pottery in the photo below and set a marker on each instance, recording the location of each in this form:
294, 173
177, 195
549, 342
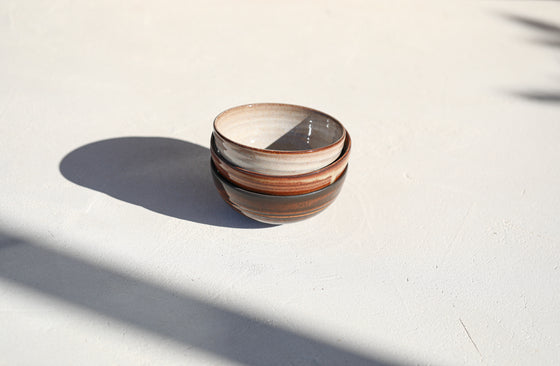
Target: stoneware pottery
283, 185
278, 139
272, 209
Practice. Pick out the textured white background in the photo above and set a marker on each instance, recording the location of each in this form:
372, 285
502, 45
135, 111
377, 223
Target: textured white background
443, 247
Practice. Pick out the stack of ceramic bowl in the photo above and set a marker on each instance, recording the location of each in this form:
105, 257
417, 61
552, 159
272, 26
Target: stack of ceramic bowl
278, 163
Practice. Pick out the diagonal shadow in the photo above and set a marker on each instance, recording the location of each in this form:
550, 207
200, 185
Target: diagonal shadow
164, 175
180, 317
551, 33
303, 136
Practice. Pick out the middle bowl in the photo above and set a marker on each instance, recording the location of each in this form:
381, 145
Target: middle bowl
278, 139
281, 185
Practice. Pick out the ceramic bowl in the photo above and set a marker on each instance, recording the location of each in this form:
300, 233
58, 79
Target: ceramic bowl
272, 209
282, 185
278, 139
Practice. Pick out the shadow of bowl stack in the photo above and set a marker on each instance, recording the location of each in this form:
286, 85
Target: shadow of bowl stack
278, 163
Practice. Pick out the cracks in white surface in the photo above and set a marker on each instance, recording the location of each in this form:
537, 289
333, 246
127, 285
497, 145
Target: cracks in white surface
92, 202
456, 237
470, 337
8, 102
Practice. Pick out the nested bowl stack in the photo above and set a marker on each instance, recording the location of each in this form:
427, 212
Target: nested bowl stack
278, 163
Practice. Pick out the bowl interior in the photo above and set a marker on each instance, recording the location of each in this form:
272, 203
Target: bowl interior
278, 127
219, 156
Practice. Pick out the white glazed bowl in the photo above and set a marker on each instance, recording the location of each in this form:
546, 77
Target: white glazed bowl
278, 139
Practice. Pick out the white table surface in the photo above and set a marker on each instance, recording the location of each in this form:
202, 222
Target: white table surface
443, 248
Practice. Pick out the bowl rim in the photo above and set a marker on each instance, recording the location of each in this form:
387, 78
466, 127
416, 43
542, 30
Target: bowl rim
343, 155
236, 187
272, 151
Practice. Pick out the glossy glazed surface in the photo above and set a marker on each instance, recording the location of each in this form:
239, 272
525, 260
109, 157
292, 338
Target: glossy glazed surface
281, 185
276, 209
278, 139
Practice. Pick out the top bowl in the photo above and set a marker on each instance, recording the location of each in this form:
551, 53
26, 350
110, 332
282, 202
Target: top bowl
278, 139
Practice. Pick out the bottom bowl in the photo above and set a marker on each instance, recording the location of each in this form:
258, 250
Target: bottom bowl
276, 209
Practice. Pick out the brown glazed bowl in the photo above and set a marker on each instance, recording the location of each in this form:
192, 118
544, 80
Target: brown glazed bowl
278, 139
281, 185
276, 209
